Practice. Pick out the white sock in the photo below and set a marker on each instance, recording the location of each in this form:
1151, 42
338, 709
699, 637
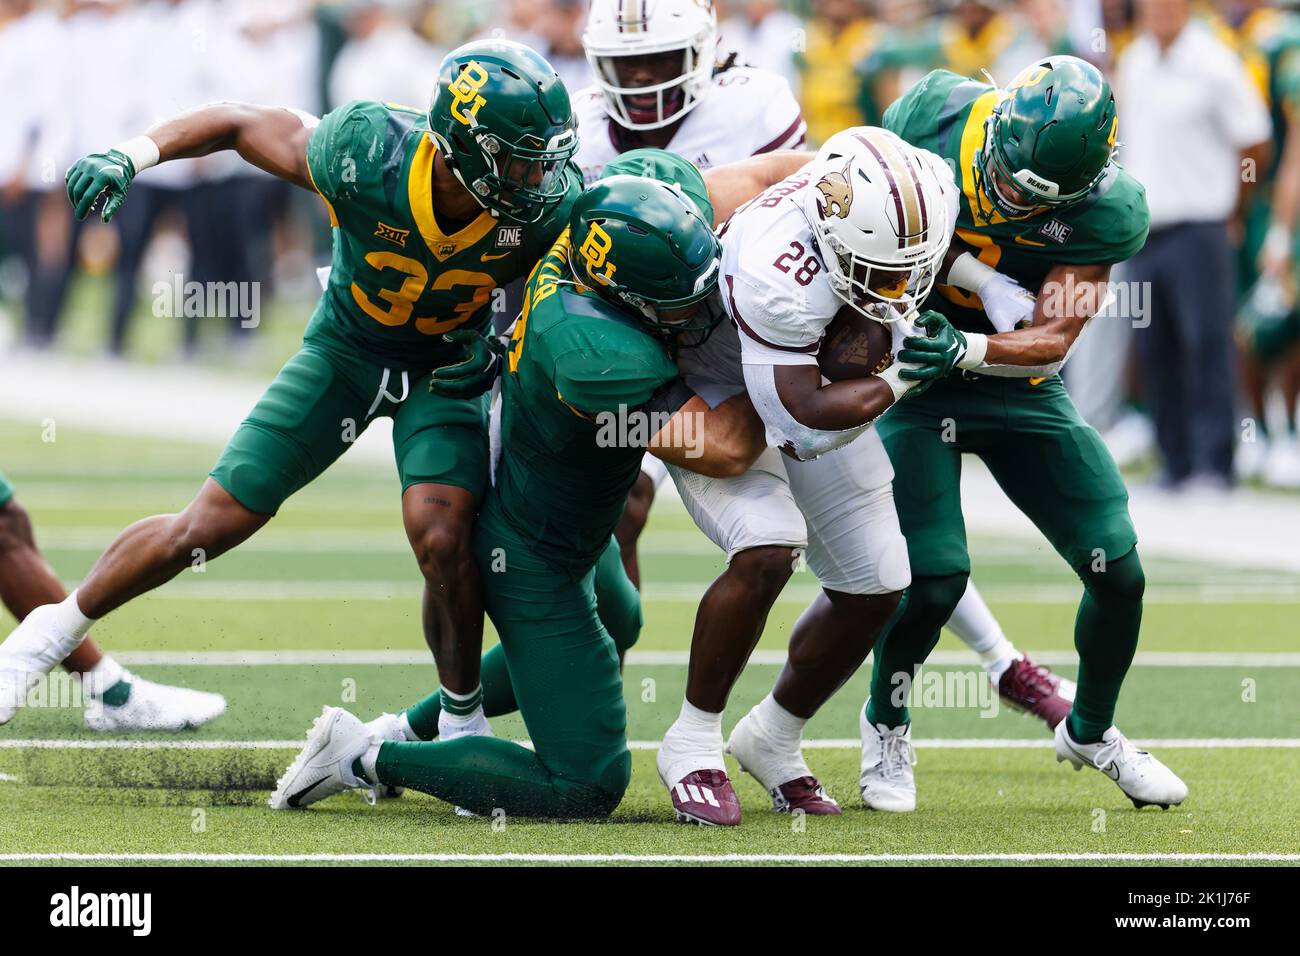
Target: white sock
368, 761
457, 725
996, 661
70, 621
699, 723
974, 623
103, 675
782, 726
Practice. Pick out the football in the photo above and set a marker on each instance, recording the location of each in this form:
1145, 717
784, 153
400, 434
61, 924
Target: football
854, 346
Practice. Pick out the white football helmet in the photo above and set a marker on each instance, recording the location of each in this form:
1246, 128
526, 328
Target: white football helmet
626, 28
882, 219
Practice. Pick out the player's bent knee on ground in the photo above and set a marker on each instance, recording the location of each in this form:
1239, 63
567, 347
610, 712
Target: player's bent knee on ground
598, 794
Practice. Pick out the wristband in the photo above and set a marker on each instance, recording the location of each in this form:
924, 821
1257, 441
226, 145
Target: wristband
968, 273
141, 150
898, 386
977, 346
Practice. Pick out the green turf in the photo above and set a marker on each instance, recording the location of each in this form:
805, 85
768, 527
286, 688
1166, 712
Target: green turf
332, 573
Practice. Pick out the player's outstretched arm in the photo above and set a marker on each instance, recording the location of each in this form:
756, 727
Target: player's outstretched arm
719, 442
269, 137
734, 184
1069, 296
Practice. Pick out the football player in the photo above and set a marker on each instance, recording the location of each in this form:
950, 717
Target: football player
636, 273
432, 211
864, 226
660, 83
1043, 203
117, 699
724, 188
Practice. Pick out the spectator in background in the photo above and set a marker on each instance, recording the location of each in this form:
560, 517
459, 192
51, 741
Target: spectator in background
280, 50
764, 35
22, 27
840, 35
560, 26
384, 58
1192, 120
82, 86
521, 21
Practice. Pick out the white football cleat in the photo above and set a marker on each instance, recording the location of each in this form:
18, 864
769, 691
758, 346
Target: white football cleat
33, 649
887, 781
388, 727
781, 770
156, 707
324, 767
1143, 778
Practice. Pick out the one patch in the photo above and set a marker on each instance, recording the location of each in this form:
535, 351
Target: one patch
1056, 230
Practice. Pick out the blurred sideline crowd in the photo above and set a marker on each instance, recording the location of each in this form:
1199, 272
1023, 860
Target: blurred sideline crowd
1200, 362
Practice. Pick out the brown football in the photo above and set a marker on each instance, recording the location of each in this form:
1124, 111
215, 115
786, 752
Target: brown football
854, 346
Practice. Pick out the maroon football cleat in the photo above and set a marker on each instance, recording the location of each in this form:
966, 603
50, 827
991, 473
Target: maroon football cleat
1028, 687
805, 794
705, 797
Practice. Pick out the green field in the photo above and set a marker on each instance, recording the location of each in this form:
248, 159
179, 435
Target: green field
331, 580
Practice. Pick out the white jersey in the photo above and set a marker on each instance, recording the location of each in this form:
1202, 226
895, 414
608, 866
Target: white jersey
747, 111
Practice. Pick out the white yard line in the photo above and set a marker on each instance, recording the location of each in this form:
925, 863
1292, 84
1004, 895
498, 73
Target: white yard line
72, 857
192, 586
828, 743
319, 658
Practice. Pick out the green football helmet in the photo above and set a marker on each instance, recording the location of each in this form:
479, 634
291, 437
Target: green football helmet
502, 119
643, 246
1048, 141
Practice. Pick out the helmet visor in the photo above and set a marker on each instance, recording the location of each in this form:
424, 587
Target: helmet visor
526, 180
863, 282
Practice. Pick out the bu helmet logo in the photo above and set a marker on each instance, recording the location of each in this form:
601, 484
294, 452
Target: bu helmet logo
596, 251
837, 194
464, 90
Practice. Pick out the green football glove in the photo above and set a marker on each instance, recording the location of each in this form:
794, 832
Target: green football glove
473, 375
937, 352
109, 174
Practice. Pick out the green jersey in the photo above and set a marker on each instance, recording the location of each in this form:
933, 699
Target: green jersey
398, 282
578, 373
946, 114
1279, 44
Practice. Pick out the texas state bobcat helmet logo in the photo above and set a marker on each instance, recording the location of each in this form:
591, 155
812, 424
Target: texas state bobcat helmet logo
837, 194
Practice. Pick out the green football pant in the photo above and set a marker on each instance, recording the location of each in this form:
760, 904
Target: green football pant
564, 669
1056, 470
619, 607
321, 402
